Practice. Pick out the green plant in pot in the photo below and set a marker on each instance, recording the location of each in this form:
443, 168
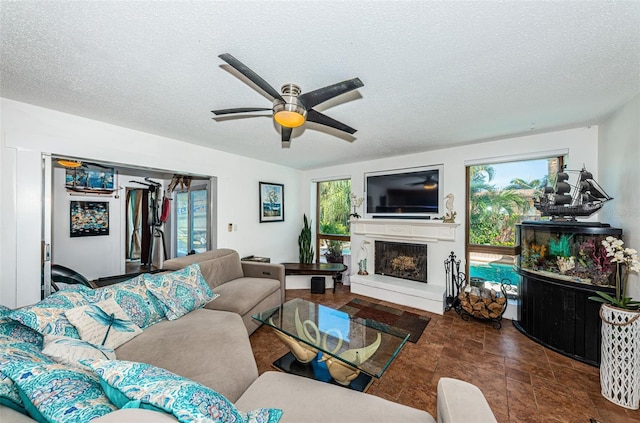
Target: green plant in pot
334, 251
304, 243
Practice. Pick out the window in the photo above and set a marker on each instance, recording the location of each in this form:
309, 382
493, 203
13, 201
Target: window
500, 195
192, 215
332, 220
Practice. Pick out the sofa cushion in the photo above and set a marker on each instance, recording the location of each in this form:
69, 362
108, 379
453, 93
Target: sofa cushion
70, 351
58, 393
241, 295
140, 385
103, 323
208, 346
13, 350
132, 295
222, 269
329, 402
217, 266
181, 291
47, 317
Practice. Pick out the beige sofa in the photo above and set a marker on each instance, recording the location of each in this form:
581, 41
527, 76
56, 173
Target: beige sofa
212, 347
245, 288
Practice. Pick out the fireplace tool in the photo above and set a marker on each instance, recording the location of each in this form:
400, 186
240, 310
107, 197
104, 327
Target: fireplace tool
454, 281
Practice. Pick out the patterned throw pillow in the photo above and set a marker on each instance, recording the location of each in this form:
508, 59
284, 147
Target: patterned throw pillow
103, 323
57, 393
11, 351
4, 311
142, 385
20, 332
181, 291
135, 299
47, 317
70, 351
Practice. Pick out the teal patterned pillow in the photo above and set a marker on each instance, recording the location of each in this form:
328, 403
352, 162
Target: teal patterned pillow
20, 332
135, 299
181, 291
13, 350
57, 393
47, 317
142, 385
4, 311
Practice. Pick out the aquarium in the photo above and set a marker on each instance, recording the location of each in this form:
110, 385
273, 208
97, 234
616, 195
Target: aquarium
569, 251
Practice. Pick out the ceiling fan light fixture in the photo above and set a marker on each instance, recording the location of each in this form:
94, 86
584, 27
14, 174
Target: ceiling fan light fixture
430, 185
69, 164
290, 115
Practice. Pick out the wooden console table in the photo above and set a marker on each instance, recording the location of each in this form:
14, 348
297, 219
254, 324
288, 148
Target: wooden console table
321, 269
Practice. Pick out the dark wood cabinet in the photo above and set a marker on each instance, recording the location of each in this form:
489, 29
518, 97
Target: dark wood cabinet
555, 309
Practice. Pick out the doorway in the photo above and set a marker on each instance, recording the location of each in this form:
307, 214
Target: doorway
120, 251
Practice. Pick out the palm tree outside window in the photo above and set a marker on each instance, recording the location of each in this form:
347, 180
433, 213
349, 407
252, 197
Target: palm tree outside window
499, 196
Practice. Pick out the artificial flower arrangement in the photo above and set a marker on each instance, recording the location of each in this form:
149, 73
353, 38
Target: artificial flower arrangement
356, 202
626, 260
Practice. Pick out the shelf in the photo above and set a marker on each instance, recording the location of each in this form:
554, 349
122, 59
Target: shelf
407, 229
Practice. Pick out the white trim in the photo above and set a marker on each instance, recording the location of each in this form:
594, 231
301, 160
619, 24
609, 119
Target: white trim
331, 178
518, 157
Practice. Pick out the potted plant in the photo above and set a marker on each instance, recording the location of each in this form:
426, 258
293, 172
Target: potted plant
334, 251
304, 243
620, 348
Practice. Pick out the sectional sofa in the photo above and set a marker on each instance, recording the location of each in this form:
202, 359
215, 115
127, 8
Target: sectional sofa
210, 346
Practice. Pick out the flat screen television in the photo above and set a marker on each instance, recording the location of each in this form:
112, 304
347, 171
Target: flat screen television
404, 193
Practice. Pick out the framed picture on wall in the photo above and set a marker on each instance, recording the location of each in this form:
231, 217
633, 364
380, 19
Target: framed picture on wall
271, 202
89, 218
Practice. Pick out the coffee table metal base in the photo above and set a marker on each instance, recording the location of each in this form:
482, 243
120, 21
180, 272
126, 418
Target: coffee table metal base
288, 363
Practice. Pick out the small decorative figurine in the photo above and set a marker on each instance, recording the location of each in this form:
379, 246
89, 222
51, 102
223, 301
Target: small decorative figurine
450, 216
362, 258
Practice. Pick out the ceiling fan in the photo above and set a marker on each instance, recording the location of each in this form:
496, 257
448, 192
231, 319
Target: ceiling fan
430, 182
290, 109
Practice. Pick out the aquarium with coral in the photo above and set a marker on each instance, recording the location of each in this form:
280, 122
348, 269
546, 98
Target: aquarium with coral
569, 251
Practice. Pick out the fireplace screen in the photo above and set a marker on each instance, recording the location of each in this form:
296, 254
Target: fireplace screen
400, 260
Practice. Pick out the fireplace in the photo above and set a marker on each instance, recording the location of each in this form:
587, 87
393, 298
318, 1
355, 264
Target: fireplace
401, 260
369, 233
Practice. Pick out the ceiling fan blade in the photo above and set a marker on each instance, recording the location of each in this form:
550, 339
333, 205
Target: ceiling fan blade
286, 136
243, 69
239, 110
321, 95
317, 117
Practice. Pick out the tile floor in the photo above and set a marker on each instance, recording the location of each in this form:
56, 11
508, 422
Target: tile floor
522, 381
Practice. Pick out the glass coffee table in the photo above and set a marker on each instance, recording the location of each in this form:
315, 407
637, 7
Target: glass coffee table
330, 345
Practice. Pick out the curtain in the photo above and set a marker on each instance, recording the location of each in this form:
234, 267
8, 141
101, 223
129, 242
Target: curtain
134, 223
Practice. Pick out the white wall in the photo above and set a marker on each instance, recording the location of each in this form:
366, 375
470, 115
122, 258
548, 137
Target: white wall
581, 143
29, 131
619, 157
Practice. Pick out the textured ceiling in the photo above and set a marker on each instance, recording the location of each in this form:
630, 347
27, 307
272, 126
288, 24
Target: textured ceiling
435, 73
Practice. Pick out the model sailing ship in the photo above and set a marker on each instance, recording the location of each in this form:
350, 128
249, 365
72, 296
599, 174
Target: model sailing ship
564, 201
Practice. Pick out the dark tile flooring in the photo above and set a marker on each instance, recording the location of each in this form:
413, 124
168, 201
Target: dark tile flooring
522, 381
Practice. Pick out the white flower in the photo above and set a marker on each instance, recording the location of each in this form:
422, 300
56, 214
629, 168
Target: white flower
618, 254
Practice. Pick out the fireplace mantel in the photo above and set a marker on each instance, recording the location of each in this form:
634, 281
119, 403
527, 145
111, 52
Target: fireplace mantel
405, 229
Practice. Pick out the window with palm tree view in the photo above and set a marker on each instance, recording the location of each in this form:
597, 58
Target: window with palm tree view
332, 220
500, 195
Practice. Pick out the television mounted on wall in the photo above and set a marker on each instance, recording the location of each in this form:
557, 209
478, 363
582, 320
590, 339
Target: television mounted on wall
404, 193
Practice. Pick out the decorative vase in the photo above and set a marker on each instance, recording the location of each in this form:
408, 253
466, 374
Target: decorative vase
620, 356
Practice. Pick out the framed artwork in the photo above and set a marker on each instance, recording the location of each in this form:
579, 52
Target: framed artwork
90, 177
89, 218
271, 202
